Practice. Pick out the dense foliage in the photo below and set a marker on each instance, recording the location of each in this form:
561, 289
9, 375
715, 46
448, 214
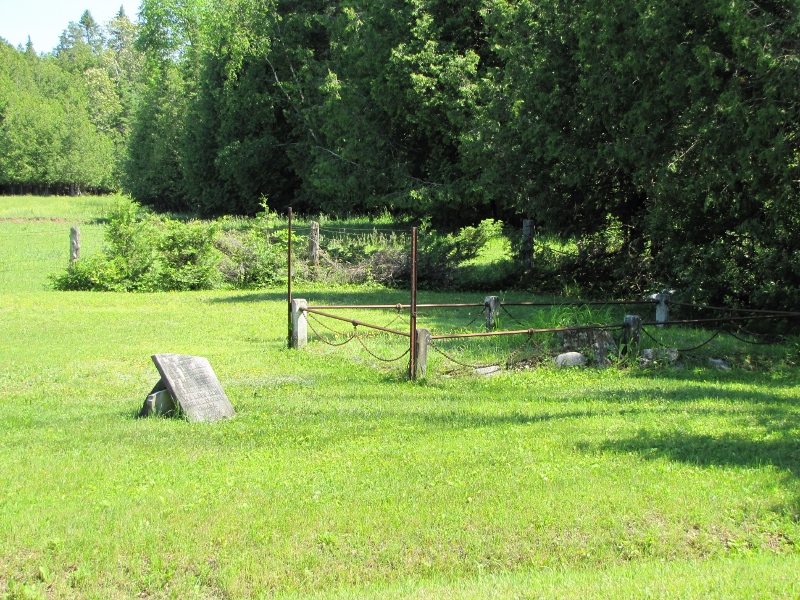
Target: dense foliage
64, 115
671, 127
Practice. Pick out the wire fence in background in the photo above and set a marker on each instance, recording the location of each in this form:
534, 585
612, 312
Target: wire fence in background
720, 325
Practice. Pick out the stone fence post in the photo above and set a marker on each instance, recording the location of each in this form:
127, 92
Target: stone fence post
527, 245
299, 324
313, 248
662, 308
423, 339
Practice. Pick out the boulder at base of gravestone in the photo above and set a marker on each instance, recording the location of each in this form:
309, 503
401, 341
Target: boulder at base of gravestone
570, 359
194, 386
159, 402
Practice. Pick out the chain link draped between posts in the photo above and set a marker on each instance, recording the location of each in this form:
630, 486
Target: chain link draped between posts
509, 360
751, 342
479, 314
375, 356
458, 362
513, 318
350, 337
714, 336
708, 341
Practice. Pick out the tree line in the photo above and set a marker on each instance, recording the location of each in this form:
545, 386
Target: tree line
64, 115
661, 130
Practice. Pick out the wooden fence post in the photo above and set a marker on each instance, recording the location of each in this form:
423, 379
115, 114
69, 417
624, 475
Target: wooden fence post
313, 248
632, 334
74, 245
491, 304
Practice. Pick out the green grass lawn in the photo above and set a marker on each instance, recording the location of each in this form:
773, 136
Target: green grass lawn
34, 236
340, 479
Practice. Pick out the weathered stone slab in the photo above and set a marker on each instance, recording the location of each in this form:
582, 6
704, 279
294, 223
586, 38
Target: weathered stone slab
598, 342
194, 386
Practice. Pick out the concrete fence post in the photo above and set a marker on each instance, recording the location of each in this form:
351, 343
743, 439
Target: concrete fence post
421, 358
492, 305
632, 334
299, 324
662, 308
74, 245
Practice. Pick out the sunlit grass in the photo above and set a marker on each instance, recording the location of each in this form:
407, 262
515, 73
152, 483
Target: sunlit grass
339, 478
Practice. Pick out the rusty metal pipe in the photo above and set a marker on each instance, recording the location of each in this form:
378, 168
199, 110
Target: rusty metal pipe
356, 322
453, 336
722, 320
752, 310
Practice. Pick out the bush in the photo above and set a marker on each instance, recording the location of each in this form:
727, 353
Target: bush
147, 253
249, 259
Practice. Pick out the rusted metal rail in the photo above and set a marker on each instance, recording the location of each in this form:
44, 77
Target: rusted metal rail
392, 306
725, 308
313, 311
722, 319
578, 303
400, 306
452, 336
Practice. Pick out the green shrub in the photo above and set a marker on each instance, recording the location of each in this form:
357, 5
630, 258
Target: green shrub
95, 273
440, 255
147, 253
249, 260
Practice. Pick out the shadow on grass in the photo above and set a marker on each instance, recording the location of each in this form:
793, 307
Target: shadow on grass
699, 392
755, 377
729, 449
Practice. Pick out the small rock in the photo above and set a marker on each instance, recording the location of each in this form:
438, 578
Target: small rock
570, 359
720, 364
648, 355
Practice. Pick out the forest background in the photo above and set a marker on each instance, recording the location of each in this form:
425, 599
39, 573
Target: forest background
663, 135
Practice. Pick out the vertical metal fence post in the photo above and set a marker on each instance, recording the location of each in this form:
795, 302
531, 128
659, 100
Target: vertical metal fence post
289, 263
412, 367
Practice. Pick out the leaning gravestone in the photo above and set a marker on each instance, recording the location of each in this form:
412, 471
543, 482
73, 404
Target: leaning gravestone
191, 382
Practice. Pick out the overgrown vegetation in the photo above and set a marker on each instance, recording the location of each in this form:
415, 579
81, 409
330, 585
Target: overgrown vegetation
146, 252
661, 138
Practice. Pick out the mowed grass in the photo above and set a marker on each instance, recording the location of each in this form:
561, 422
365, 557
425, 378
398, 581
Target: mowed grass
35, 234
340, 479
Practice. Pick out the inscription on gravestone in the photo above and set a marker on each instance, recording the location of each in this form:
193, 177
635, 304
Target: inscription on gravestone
194, 386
